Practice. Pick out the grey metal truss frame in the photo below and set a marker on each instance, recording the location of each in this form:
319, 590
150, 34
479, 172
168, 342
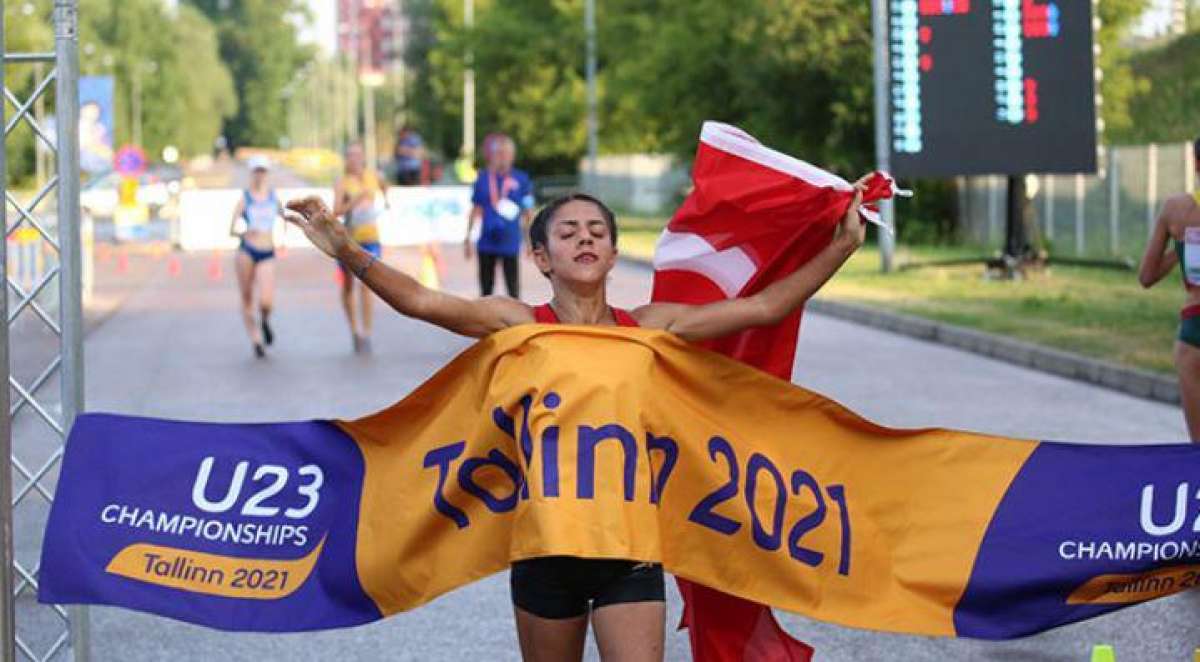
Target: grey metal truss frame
32, 482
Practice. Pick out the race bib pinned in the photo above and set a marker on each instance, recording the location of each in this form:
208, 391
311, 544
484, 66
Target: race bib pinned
1191, 255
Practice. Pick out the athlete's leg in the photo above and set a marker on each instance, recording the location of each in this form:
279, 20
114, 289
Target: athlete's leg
348, 303
265, 275
435, 251
367, 298
630, 631
550, 639
244, 266
1187, 365
629, 614
551, 608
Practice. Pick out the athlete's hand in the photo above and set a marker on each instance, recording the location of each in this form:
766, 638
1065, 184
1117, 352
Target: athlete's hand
852, 231
319, 224
468, 251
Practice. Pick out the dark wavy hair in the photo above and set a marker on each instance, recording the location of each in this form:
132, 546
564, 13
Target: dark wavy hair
539, 229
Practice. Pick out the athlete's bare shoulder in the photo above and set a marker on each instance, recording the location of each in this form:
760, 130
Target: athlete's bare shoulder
509, 311
655, 315
1179, 211
1180, 202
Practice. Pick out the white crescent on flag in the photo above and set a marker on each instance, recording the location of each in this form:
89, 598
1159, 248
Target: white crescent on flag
732, 268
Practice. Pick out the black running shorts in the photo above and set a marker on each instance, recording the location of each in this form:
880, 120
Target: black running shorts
566, 587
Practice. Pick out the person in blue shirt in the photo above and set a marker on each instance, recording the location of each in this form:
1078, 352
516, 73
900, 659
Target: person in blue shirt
409, 158
502, 201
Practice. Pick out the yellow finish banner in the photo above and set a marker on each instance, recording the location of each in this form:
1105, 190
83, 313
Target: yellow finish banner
615, 443
627, 443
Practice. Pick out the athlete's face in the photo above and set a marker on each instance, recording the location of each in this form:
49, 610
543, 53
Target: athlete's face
260, 177
354, 159
579, 247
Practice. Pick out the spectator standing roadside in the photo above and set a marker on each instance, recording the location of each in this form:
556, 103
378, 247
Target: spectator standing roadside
502, 202
409, 158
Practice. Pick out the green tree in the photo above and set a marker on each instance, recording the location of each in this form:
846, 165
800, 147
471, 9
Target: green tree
259, 45
425, 108
664, 67
528, 63
209, 95
164, 63
168, 59
794, 74
1119, 85
1164, 108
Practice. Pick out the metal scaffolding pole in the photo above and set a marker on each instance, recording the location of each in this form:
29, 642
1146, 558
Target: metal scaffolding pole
66, 42
17, 578
66, 52
8, 645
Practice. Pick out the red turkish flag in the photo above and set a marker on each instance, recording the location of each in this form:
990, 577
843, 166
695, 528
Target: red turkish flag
754, 216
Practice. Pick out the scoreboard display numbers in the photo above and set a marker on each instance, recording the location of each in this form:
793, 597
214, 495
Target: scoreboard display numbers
991, 87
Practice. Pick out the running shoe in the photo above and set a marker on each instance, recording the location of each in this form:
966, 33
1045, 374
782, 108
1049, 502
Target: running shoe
268, 336
259, 352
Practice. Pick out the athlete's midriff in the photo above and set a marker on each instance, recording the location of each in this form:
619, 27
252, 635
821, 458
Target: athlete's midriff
258, 240
362, 216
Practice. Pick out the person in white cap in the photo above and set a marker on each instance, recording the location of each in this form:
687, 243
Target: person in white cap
258, 209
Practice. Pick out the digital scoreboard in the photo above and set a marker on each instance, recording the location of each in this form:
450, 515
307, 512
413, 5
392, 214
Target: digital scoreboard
991, 87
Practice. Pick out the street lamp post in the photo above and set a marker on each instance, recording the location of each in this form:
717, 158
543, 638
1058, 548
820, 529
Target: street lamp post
468, 143
882, 129
593, 122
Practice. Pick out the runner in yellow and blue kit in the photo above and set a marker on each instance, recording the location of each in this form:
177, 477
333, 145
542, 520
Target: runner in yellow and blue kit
356, 200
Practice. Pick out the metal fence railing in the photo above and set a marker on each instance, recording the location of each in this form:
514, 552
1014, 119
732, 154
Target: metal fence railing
41, 351
1106, 216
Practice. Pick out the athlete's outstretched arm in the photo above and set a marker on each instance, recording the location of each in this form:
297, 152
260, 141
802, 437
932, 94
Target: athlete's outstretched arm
1158, 260
469, 317
768, 306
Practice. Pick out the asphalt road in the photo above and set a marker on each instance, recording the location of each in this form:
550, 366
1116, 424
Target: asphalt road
175, 348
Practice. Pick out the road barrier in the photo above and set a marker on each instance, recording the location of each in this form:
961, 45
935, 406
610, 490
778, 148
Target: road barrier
417, 214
